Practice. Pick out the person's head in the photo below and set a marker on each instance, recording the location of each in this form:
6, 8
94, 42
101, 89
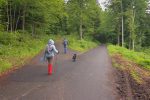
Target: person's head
65, 39
51, 42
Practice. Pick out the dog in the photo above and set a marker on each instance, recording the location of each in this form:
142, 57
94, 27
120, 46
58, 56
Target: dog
74, 57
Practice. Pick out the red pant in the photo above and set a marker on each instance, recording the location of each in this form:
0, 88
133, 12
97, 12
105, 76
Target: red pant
50, 68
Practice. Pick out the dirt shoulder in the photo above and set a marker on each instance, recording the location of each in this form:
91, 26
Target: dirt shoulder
133, 82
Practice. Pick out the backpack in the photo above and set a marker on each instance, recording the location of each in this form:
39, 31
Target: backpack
65, 43
49, 52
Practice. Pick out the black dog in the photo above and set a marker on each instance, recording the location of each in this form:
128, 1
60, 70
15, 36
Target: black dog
74, 57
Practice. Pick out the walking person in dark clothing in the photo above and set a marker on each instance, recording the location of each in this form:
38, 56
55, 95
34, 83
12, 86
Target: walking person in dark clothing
65, 44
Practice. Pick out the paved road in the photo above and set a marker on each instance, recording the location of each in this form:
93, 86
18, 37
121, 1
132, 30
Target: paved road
90, 78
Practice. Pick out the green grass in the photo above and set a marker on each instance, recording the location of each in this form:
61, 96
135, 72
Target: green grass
4, 65
141, 58
81, 45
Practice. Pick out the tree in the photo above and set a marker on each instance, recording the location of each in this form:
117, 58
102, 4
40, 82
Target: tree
117, 7
135, 16
131, 14
55, 16
83, 16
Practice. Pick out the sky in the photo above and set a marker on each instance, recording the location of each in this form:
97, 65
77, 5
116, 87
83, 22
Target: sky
101, 3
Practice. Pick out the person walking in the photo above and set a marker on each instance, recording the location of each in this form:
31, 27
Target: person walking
50, 52
65, 44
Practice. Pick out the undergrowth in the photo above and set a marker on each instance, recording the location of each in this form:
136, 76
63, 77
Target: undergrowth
141, 58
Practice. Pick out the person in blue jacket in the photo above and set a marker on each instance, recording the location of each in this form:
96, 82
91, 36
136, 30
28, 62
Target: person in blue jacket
65, 44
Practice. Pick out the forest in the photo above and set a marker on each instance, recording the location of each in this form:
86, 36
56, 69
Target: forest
26, 25
123, 26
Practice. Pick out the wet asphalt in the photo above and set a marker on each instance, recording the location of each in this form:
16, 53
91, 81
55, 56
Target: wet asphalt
91, 77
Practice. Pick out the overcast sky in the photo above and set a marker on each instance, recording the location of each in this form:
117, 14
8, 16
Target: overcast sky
101, 1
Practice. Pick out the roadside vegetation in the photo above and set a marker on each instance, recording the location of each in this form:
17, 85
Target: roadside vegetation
140, 58
16, 48
136, 63
132, 70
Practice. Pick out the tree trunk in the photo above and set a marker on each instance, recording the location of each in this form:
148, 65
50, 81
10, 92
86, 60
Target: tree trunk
140, 40
8, 22
16, 27
133, 32
81, 31
133, 44
11, 28
118, 39
23, 20
14, 18
122, 25
81, 21
122, 32
33, 29
130, 44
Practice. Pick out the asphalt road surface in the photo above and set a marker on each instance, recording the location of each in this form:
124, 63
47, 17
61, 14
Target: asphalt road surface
91, 77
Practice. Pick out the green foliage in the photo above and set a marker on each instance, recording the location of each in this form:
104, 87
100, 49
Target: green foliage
136, 22
146, 50
107, 31
4, 65
32, 15
85, 13
140, 58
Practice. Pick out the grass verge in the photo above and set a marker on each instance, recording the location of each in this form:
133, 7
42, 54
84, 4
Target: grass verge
136, 63
141, 58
